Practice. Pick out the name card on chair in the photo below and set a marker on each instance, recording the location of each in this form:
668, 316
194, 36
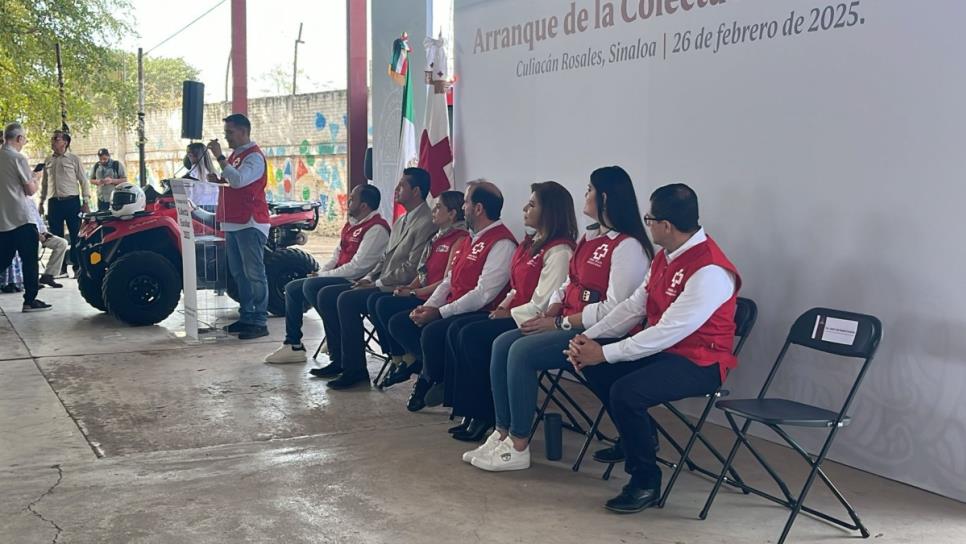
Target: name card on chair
831, 329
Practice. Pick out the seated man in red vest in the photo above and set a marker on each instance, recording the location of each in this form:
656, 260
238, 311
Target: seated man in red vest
688, 303
362, 243
477, 281
243, 214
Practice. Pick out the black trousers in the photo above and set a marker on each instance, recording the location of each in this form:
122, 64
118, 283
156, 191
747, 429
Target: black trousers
25, 241
469, 346
65, 210
629, 389
327, 304
430, 341
351, 306
381, 310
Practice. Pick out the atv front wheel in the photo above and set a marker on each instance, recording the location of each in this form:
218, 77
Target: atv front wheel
141, 288
90, 289
282, 266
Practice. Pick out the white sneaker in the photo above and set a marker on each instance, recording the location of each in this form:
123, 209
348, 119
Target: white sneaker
491, 442
285, 355
503, 457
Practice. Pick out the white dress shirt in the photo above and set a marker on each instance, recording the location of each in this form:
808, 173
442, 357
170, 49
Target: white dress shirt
249, 171
371, 249
628, 266
705, 291
556, 265
493, 278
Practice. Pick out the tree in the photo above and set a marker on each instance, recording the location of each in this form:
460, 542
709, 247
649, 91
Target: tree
100, 80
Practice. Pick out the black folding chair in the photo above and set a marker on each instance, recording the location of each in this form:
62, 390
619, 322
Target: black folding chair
550, 395
746, 314
836, 332
369, 337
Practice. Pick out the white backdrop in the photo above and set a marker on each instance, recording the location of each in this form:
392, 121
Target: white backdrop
829, 166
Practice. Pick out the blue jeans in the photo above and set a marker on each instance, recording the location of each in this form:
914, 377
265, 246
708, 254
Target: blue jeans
516, 363
246, 252
297, 294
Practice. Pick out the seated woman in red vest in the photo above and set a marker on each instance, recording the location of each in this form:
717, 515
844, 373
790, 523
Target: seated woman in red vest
448, 218
476, 282
539, 267
688, 303
608, 265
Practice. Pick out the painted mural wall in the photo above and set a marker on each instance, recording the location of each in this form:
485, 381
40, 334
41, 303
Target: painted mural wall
303, 137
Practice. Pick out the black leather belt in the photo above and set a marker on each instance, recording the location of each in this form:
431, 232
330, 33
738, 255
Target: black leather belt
64, 197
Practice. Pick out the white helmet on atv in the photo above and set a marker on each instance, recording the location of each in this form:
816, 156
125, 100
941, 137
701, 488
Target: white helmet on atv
127, 200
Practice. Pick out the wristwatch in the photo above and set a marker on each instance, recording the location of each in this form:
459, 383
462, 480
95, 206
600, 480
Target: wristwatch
563, 323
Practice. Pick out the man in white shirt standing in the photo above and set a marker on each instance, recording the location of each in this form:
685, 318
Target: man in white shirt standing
243, 215
688, 304
18, 225
363, 241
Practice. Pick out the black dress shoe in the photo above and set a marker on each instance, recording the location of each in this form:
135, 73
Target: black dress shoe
401, 373
461, 427
47, 279
235, 327
633, 499
475, 432
327, 371
251, 332
348, 379
417, 399
613, 454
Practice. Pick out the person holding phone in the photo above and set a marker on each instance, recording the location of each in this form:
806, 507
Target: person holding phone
18, 226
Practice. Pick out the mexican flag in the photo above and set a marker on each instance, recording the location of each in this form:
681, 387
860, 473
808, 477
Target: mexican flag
435, 151
399, 72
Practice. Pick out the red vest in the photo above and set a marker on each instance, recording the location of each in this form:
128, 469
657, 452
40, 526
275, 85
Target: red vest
468, 264
240, 205
712, 342
589, 271
352, 237
439, 251
525, 270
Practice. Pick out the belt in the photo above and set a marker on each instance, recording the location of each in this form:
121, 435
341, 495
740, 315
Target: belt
590, 296
64, 197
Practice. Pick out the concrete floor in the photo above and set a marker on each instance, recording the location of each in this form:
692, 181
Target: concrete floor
117, 434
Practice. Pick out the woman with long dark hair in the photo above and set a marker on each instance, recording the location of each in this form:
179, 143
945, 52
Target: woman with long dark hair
609, 263
539, 267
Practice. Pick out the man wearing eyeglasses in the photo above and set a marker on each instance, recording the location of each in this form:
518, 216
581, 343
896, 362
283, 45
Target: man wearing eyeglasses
18, 227
69, 191
688, 303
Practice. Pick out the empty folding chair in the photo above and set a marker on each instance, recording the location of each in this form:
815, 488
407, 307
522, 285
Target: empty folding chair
845, 334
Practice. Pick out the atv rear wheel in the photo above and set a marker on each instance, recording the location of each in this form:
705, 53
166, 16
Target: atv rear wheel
141, 288
282, 266
90, 289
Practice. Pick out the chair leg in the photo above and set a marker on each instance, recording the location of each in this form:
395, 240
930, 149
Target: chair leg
727, 465
318, 350
591, 433
685, 456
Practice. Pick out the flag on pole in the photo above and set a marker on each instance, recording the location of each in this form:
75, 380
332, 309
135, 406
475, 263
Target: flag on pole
435, 151
399, 71
399, 64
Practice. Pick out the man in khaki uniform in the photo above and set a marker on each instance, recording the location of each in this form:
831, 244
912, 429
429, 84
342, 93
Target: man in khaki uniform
69, 192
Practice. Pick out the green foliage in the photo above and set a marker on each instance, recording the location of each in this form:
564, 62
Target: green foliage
100, 80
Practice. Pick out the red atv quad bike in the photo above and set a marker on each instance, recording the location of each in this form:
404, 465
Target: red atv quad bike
131, 267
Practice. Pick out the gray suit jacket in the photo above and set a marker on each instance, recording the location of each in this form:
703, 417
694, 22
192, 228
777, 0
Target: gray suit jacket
409, 235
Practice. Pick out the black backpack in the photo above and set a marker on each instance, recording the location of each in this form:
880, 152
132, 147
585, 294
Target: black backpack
112, 164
